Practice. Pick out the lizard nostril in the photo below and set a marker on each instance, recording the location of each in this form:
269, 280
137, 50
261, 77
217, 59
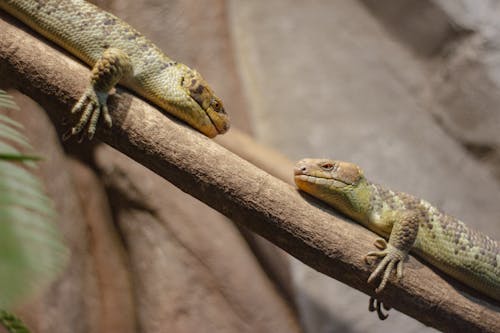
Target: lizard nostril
300, 170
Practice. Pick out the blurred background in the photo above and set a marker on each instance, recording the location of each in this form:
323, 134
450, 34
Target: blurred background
408, 89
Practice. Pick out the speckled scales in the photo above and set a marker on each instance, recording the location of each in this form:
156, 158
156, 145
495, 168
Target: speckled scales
444, 241
86, 31
410, 224
67, 23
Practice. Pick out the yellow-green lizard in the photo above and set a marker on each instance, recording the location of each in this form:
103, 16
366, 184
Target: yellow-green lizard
408, 222
118, 53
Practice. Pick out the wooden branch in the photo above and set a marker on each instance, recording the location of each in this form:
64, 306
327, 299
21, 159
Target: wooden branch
298, 224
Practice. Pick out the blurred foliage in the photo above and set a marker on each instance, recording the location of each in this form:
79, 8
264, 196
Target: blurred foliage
12, 323
31, 248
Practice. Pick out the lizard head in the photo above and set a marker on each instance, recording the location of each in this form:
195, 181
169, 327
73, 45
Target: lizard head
207, 113
338, 183
335, 175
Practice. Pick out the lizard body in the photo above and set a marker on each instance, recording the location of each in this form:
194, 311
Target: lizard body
408, 222
118, 53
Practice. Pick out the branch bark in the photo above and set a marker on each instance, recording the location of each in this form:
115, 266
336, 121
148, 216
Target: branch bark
246, 194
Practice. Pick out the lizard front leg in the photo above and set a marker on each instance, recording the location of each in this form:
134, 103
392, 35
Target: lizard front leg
113, 65
403, 235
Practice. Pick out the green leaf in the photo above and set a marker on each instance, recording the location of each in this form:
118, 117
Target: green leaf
9, 133
12, 323
7, 120
6, 101
31, 249
16, 157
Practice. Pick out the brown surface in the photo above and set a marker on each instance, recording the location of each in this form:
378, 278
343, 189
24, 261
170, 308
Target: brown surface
241, 191
184, 278
259, 155
114, 304
273, 259
67, 306
191, 269
198, 34
242, 299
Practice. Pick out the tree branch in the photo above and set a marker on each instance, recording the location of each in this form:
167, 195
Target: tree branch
298, 224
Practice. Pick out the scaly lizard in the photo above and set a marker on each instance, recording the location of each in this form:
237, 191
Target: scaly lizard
408, 222
118, 53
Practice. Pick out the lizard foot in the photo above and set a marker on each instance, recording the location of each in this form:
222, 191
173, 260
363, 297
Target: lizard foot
376, 305
391, 257
90, 105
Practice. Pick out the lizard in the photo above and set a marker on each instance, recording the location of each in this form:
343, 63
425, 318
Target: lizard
118, 53
409, 223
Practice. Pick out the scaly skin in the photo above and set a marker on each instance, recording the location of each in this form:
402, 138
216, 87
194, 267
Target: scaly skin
118, 53
408, 222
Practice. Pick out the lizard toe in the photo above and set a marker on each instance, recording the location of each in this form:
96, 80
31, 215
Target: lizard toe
380, 243
392, 258
91, 105
376, 254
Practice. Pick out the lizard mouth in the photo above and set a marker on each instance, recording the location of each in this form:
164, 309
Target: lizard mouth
211, 106
326, 173
219, 120
302, 175
321, 181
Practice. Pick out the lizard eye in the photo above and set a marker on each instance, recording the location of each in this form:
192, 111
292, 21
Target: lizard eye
217, 106
327, 166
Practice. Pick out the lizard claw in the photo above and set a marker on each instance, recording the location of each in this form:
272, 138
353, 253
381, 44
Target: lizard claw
381, 244
391, 257
377, 307
90, 105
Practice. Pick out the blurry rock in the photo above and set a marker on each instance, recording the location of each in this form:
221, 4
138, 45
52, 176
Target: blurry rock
465, 91
421, 24
191, 268
462, 36
71, 303
114, 306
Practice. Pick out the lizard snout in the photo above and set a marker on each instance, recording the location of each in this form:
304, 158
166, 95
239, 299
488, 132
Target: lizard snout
300, 170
